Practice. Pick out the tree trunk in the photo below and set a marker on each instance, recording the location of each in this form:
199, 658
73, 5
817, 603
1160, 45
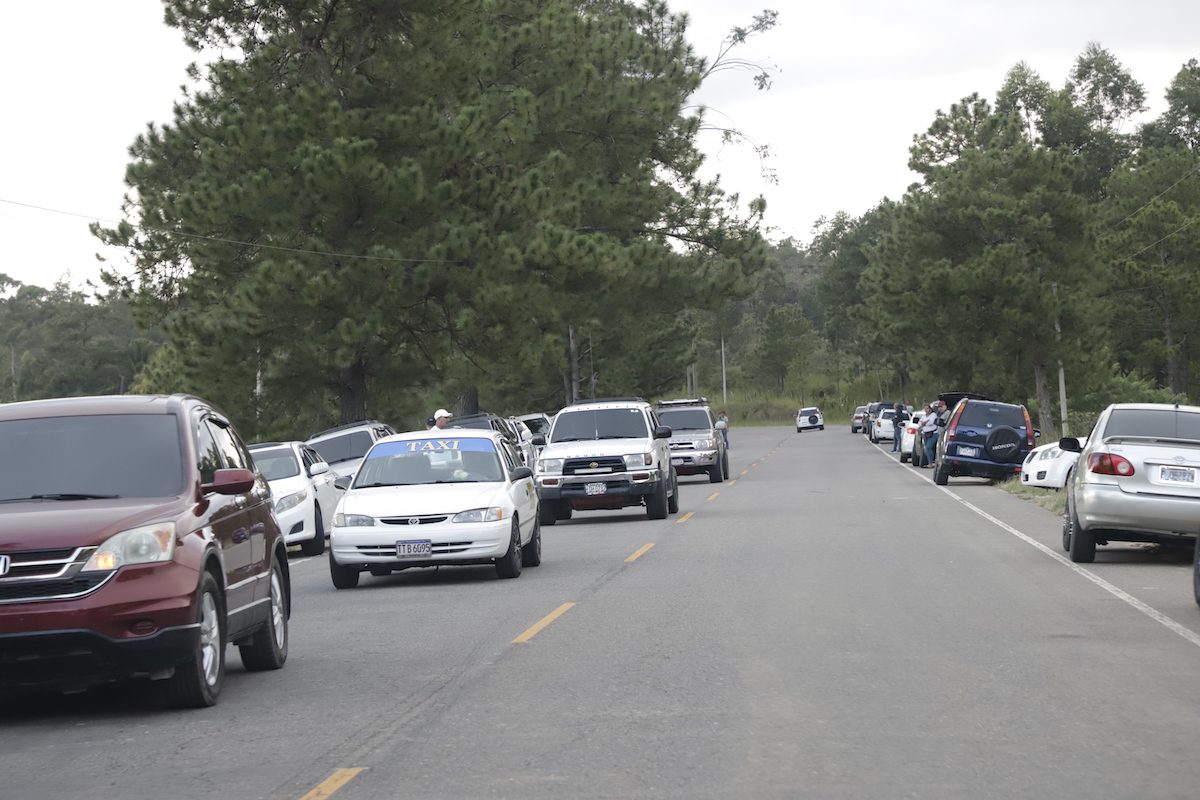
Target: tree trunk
468, 403
1045, 409
352, 391
1175, 381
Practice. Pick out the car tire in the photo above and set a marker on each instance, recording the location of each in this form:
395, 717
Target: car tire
903, 457
509, 565
656, 504
316, 545
799, 429
531, 554
343, 577
1068, 525
197, 681
820, 427
725, 464
716, 473
1082, 548
269, 647
673, 500
563, 510
940, 476
547, 513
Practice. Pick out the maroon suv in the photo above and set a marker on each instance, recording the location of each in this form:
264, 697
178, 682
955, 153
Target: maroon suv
136, 539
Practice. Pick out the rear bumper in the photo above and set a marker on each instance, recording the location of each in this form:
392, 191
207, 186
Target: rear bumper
970, 467
1105, 508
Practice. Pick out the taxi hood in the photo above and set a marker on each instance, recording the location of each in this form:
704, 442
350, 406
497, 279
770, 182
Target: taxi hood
62, 524
421, 499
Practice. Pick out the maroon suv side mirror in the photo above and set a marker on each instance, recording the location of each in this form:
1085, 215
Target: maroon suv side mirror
230, 481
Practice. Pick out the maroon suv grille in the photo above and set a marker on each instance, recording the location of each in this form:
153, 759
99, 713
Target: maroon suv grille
40, 555
44, 590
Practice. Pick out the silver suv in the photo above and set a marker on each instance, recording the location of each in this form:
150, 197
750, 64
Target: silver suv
343, 447
606, 454
697, 446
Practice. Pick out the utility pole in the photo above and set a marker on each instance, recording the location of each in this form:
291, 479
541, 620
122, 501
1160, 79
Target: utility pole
1062, 375
724, 384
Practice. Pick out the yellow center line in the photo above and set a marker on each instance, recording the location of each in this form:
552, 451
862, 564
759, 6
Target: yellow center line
744, 473
731, 483
337, 780
536, 627
713, 496
685, 517
641, 551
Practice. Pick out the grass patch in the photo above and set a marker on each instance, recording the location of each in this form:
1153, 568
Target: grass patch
1053, 500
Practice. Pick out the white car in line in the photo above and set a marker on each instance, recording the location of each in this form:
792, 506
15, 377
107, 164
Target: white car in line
455, 496
909, 431
302, 490
1048, 466
882, 427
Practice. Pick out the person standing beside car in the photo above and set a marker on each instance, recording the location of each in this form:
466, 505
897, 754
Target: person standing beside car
722, 425
929, 433
898, 419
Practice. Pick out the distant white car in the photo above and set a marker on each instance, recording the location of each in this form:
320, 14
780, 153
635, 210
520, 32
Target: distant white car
302, 491
809, 418
1047, 466
882, 427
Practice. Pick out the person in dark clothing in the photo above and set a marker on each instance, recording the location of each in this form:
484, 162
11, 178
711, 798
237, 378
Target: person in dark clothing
901, 416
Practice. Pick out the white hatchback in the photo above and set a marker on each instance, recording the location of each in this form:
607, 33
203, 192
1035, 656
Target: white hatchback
1047, 466
302, 489
437, 498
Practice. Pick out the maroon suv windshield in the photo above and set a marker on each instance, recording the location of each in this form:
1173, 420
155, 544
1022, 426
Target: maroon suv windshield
82, 457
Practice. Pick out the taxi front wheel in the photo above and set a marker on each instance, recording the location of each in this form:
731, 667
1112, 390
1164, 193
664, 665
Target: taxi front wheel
509, 565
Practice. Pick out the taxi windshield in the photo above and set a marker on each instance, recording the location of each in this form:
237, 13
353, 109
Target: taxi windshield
419, 462
276, 463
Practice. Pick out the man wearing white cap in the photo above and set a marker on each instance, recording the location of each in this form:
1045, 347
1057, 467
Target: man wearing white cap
441, 418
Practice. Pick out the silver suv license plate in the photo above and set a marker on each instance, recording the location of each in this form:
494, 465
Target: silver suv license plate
422, 548
595, 488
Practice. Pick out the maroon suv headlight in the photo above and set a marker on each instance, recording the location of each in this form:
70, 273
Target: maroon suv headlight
142, 545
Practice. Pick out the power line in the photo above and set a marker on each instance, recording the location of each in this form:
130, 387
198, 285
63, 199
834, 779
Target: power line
1160, 194
223, 240
1187, 224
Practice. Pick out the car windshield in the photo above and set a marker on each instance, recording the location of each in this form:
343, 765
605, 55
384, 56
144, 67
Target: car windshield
417, 462
1164, 423
82, 457
686, 419
991, 415
599, 423
276, 463
538, 425
483, 423
804, 412
346, 447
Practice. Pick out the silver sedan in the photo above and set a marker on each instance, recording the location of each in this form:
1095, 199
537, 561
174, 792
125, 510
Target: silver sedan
1137, 479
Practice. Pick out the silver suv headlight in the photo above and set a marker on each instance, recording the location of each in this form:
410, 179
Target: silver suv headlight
550, 466
143, 545
639, 460
702, 444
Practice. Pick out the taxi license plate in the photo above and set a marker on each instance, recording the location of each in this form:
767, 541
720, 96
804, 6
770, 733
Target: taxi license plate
969, 452
1177, 474
422, 548
595, 488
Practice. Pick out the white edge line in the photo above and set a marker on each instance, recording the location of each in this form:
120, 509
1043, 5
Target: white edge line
1115, 591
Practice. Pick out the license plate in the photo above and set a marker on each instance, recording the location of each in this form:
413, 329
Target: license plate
595, 488
1177, 474
676, 460
969, 452
422, 548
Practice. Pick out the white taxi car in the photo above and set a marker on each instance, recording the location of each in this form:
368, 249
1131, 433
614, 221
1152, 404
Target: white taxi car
436, 498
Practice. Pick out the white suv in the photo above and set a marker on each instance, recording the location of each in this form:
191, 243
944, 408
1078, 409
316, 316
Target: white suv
343, 447
810, 417
606, 454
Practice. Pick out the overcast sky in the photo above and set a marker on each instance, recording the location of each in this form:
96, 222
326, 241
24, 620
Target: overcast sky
853, 83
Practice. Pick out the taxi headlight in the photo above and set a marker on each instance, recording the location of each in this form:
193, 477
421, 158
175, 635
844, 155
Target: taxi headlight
550, 466
494, 514
352, 521
143, 545
639, 460
290, 501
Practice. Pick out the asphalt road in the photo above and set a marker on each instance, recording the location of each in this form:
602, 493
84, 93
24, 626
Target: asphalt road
829, 626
